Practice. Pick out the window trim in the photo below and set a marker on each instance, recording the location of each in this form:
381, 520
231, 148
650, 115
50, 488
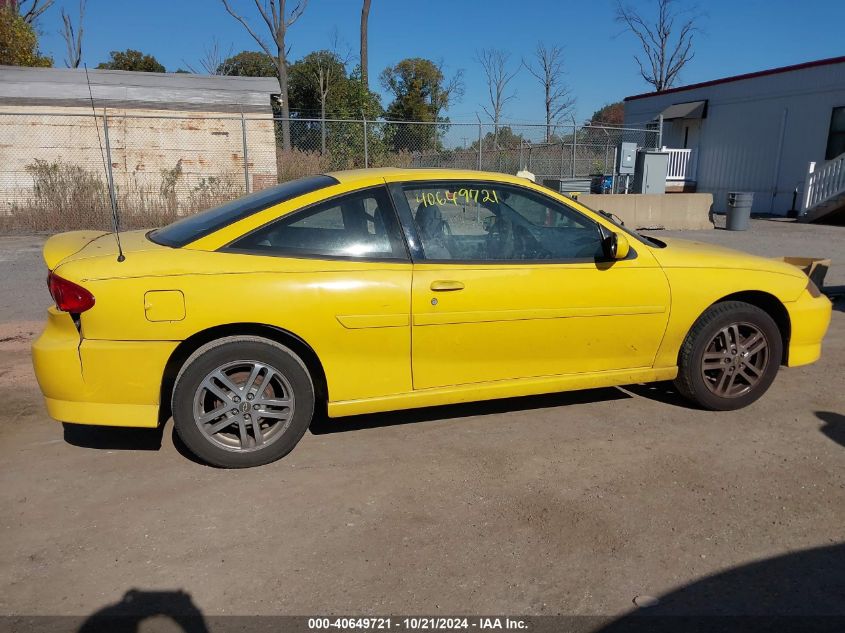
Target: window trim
228, 248
417, 252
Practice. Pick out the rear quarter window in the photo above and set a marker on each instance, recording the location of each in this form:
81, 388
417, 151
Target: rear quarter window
191, 228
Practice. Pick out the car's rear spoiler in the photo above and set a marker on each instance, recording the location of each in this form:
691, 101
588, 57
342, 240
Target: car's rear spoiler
63, 245
814, 267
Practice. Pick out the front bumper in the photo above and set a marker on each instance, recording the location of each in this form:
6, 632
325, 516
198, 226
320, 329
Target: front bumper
809, 317
111, 383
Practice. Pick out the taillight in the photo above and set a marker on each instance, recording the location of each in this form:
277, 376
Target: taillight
69, 296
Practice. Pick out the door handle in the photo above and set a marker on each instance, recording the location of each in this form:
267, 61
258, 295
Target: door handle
446, 286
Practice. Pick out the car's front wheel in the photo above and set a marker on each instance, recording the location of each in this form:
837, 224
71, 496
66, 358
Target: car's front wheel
730, 356
242, 401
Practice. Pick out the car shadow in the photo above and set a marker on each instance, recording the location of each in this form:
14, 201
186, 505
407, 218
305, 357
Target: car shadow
113, 438
834, 425
664, 392
837, 295
322, 424
126, 439
799, 591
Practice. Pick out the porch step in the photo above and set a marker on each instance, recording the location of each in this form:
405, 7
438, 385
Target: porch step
831, 211
824, 193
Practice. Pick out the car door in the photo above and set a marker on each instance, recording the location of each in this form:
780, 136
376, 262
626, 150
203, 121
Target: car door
336, 274
509, 283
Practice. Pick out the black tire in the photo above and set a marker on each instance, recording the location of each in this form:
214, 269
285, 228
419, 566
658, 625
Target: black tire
745, 376
251, 439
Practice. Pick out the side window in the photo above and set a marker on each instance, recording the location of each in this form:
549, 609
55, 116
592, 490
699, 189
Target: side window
362, 224
477, 221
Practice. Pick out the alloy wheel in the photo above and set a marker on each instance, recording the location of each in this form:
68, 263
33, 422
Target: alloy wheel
735, 360
244, 405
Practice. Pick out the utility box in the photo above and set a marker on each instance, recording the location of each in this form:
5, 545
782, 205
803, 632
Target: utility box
650, 172
627, 158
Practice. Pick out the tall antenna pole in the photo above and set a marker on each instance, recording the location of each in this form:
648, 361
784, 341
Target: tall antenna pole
106, 167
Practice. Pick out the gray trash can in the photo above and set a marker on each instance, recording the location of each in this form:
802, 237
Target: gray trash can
739, 210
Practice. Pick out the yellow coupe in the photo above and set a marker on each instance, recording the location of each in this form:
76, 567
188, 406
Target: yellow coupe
386, 289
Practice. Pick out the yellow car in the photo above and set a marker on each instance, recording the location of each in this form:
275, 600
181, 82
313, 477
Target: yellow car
386, 289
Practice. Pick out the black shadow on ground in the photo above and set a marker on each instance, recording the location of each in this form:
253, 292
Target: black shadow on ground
664, 392
837, 295
136, 606
113, 438
322, 424
800, 591
834, 428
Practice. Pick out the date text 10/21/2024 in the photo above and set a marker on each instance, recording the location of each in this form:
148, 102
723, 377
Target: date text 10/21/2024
417, 623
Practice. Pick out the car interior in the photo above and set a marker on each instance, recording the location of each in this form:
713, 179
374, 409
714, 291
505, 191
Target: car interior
503, 233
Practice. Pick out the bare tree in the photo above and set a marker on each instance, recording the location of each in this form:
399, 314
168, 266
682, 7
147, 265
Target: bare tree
278, 21
73, 37
340, 47
451, 91
365, 17
548, 69
30, 11
494, 62
666, 42
323, 76
214, 60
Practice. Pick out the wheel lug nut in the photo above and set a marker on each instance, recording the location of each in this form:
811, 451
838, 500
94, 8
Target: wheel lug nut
237, 399
234, 412
255, 407
246, 416
249, 396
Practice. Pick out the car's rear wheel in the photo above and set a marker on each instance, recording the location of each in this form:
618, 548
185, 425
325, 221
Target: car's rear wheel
242, 401
730, 356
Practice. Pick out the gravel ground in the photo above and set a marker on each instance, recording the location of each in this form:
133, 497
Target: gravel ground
570, 503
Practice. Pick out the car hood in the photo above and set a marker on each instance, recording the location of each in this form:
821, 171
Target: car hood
680, 253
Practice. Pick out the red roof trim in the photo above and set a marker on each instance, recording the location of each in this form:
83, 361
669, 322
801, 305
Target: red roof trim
759, 73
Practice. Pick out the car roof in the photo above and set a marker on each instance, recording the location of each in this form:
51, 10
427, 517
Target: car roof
393, 174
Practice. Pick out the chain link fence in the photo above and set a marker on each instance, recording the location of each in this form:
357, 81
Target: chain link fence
57, 169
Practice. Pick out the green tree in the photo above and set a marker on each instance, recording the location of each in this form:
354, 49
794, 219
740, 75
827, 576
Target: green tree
320, 87
416, 86
132, 60
610, 114
319, 83
506, 139
249, 64
18, 41
420, 93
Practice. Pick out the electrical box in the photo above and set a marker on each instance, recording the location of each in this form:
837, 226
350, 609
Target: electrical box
650, 172
627, 158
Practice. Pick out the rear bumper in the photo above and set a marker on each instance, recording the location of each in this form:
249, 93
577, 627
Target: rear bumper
111, 383
103, 413
809, 317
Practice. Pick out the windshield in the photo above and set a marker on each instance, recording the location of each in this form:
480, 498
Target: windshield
193, 227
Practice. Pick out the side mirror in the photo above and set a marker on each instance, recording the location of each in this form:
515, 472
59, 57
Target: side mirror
615, 245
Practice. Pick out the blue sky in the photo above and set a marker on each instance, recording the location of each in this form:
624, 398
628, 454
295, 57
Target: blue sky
738, 36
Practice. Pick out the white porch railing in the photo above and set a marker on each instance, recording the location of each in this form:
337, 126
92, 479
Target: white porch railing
682, 164
824, 183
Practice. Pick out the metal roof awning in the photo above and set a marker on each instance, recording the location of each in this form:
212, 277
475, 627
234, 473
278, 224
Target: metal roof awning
688, 110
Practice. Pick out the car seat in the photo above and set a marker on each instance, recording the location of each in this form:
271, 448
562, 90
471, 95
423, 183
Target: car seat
434, 232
